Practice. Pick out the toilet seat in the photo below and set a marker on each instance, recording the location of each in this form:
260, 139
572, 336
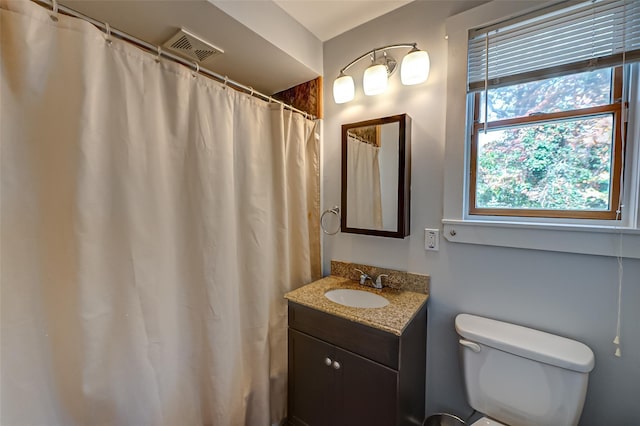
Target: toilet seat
486, 421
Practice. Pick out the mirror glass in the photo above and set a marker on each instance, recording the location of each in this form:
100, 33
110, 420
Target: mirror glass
374, 177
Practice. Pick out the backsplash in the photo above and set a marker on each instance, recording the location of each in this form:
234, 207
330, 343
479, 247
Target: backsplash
397, 279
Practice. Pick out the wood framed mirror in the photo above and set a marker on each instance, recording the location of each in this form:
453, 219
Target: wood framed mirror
376, 177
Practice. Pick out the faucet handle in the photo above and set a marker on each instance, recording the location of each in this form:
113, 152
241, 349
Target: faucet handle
379, 280
363, 276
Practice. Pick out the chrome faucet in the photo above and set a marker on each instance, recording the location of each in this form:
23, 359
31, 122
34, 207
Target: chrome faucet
378, 283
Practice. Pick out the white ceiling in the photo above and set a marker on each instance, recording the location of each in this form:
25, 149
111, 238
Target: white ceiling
329, 18
264, 47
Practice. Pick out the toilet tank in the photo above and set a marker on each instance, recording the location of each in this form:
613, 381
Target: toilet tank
522, 376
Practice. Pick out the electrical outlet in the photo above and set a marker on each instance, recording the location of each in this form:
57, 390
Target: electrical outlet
432, 239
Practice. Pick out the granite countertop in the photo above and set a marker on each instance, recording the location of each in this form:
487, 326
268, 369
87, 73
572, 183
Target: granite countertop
393, 318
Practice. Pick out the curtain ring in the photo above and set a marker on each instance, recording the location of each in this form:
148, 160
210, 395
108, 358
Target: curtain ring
196, 69
336, 211
251, 89
226, 80
54, 10
159, 54
107, 29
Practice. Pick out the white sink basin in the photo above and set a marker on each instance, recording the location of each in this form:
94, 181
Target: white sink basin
356, 298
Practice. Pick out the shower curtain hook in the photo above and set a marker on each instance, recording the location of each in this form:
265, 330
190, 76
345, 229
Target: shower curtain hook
197, 69
226, 80
251, 89
107, 29
54, 9
159, 54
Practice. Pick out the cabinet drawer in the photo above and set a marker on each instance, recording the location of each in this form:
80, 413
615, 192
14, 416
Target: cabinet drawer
363, 340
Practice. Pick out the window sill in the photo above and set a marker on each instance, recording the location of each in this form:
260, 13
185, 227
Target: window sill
582, 239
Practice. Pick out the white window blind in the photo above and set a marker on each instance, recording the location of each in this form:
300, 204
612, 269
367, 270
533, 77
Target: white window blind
558, 41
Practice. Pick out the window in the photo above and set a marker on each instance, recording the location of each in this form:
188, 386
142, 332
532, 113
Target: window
551, 148
547, 97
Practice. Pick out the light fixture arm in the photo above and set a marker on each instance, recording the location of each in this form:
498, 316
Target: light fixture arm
372, 52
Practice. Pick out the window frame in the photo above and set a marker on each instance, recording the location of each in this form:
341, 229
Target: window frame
615, 108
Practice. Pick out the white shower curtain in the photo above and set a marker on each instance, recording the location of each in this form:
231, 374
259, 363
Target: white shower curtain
151, 221
364, 199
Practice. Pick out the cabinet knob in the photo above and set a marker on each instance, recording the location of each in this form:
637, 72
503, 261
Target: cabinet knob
327, 361
336, 365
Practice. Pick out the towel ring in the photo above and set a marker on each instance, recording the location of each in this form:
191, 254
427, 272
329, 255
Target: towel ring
336, 211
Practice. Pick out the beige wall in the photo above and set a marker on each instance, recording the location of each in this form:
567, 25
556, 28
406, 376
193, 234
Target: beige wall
568, 294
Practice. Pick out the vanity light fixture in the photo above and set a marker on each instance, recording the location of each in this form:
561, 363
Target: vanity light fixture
343, 88
376, 77
414, 70
415, 67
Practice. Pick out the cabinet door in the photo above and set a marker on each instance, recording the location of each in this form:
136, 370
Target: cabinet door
367, 392
329, 386
312, 383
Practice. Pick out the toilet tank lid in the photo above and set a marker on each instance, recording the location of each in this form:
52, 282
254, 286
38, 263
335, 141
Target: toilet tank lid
526, 342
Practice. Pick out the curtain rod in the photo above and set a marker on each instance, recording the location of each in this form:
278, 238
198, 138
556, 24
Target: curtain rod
361, 139
53, 4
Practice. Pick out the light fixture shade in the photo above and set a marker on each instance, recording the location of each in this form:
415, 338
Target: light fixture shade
375, 80
415, 67
343, 89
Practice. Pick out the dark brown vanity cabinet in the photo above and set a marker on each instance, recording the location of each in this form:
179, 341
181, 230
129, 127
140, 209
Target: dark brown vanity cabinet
345, 373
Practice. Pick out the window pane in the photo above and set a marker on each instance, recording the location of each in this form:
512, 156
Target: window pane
575, 91
561, 165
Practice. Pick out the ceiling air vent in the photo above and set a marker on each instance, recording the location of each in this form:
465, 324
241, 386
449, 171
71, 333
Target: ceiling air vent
190, 46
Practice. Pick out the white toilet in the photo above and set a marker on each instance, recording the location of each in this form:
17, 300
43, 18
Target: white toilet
519, 376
